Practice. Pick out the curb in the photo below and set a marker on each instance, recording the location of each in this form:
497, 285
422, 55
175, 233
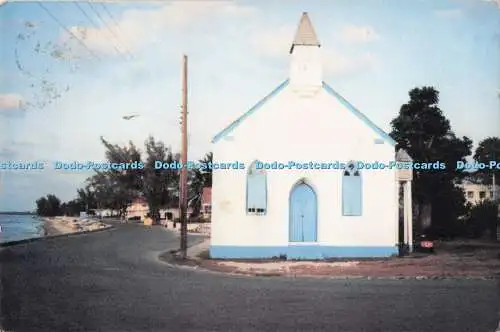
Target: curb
33, 239
194, 265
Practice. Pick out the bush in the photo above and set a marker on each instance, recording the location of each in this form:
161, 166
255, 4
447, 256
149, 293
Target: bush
198, 219
483, 218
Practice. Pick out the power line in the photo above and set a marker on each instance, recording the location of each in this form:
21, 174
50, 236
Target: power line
160, 41
114, 21
66, 29
97, 27
108, 12
105, 24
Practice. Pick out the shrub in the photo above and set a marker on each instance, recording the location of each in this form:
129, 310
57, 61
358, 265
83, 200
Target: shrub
483, 218
198, 219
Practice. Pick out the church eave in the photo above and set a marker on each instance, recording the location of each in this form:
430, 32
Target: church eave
360, 115
303, 44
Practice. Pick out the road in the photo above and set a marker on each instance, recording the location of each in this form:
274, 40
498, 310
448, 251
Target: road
112, 281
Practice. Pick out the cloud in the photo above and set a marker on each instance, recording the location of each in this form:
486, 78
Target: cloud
273, 42
10, 101
138, 27
495, 2
276, 42
338, 63
6, 153
358, 34
449, 13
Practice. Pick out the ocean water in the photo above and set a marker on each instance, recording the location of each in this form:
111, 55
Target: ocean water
19, 227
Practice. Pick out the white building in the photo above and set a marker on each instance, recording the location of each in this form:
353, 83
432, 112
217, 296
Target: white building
476, 193
304, 213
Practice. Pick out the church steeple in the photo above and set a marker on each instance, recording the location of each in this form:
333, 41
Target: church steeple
305, 35
306, 70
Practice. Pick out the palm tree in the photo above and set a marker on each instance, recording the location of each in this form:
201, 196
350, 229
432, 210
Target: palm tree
199, 179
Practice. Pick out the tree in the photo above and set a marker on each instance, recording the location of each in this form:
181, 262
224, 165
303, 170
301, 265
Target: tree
486, 151
126, 183
41, 206
160, 186
86, 197
48, 206
199, 178
72, 208
425, 133
484, 219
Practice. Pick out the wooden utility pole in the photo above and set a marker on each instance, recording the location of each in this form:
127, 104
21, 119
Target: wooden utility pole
493, 180
183, 177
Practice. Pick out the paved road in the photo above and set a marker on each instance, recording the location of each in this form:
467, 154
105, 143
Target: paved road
112, 281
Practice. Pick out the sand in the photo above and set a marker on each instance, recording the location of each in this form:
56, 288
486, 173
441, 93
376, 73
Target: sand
65, 225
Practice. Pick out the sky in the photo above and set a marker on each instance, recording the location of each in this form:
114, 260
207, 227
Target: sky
70, 71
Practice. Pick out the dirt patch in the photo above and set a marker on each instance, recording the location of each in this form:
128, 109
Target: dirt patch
451, 260
404, 268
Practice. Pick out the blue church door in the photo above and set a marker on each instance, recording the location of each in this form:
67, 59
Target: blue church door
303, 218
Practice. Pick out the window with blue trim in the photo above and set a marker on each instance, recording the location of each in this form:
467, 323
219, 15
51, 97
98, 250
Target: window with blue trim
352, 191
256, 190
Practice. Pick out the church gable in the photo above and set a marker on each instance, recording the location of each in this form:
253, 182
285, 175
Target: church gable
305, 80
383, 135
252, 110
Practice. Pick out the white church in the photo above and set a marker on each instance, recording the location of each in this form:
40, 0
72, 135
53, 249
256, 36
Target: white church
303, 210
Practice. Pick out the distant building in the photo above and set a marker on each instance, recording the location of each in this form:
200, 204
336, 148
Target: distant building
476, 193
138, 209
105, 212
206, 202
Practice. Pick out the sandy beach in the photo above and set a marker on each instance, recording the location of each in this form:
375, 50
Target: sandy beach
64, 225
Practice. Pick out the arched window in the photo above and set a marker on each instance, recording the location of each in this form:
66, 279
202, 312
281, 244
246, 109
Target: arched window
352, 191
256, 190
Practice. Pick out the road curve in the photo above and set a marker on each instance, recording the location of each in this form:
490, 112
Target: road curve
112, 281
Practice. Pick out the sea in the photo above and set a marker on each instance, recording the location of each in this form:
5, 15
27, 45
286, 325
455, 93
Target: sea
20, 227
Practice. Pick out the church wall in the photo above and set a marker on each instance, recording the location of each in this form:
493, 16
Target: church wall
303, 129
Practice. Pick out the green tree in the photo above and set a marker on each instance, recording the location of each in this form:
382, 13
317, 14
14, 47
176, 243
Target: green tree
48, 206
486, 151
42, 206
86, 197
160, 186
425, 133
127, 184
72, 208
483, 220
199, 179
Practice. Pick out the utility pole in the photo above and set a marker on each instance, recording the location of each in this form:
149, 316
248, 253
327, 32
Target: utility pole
493, 180
183, 176
495, 194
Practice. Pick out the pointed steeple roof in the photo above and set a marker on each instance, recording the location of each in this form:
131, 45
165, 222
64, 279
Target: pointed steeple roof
305, 34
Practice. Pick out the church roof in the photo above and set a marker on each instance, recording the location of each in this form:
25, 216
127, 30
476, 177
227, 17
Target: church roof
305, 34
360, 115
328, 89
239, 120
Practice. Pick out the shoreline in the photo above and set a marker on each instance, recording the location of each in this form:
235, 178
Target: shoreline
52, 227
66, 225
